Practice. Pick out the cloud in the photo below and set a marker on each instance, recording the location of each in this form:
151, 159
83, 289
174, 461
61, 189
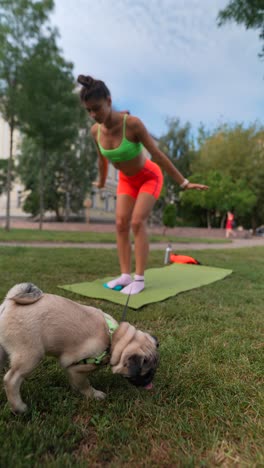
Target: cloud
165, 58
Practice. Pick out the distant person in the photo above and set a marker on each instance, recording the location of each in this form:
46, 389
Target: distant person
120, 138
230, 223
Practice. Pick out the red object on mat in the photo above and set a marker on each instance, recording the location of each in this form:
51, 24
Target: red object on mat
174, 258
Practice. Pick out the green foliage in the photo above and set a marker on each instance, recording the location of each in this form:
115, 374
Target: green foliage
37, 91
169, 215
177, 145
237, 153
21, 25
68, 174
247, 12
222, 196
48, 107
230, 159
31, 204
58, 157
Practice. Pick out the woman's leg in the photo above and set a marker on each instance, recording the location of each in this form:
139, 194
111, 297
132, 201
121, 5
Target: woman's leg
141, 212
124, 209
137, 196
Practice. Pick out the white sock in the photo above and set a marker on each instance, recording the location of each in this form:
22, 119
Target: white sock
122, 280
136, 286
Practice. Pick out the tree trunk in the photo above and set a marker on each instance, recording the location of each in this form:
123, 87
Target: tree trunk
67, 207
254, 223
208, 219
41, 189
59, 216
222, 225
9, 176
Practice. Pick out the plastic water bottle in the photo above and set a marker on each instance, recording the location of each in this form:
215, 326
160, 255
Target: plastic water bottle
167, 254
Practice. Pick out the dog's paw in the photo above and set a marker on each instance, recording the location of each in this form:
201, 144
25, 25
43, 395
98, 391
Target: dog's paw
99, 395
19, 409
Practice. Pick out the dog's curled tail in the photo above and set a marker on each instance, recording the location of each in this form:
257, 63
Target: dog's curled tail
24, 293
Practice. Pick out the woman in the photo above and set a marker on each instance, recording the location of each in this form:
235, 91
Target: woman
230, 224
120, 138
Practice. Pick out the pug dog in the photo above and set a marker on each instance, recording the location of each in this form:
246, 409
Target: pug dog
34, 324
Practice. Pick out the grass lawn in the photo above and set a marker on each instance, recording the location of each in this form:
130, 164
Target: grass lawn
207, 406
32, 235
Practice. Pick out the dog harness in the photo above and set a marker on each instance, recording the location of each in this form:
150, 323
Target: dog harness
99, 359
126, 151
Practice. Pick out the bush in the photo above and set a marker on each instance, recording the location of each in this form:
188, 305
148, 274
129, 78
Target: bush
169, 215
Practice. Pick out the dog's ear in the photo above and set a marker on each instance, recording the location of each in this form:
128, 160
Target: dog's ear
134, 364
121, 337
156, 340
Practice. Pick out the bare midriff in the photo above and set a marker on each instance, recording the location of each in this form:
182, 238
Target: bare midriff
132, 167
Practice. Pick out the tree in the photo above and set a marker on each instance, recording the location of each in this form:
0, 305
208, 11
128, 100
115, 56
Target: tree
178, 146
169, 216
68, 177
79, 167
21, 25
238, 153
247, 12
224, 195
68, 172
48, 108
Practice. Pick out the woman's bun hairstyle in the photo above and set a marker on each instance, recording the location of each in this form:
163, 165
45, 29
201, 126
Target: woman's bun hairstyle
92, 88
86, 81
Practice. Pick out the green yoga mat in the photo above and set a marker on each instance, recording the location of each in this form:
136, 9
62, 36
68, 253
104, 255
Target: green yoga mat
161, 283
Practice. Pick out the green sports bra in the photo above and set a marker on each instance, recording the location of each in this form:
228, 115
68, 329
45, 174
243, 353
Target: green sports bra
126, 151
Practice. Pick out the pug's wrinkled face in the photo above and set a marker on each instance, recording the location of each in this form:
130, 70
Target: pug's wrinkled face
134, 355
142, 370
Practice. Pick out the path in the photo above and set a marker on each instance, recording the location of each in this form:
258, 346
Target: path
235, 244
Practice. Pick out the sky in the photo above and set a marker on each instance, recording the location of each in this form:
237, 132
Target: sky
165, 59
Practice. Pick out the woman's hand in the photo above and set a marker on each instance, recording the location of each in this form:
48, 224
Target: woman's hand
98, 184
192, 186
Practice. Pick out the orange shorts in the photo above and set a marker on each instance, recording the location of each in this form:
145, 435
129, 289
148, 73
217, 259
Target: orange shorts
149, 180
